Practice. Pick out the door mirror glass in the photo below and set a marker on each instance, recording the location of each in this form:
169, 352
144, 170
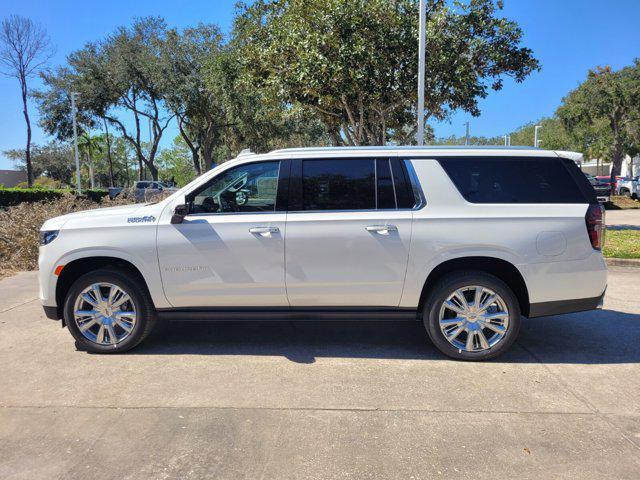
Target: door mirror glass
179, 213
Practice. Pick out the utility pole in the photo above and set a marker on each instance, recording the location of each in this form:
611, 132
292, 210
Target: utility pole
505, 140
536, 142
466, 135
422, 27
74, 112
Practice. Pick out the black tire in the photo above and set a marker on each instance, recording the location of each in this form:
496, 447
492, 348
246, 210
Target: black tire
449, 284
145, 311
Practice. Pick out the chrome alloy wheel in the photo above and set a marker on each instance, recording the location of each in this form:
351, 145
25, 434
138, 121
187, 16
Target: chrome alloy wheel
474, 318
104, 313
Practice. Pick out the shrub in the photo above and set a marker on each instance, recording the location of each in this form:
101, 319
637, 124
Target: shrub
20, 226
15, 196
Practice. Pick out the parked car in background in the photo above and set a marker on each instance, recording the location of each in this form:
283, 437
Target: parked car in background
606, 179
464, 240
144, 190
603, 190
629, 187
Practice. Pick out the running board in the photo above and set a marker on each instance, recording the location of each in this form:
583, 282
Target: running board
274, 314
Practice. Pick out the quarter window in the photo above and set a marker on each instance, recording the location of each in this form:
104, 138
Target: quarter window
251, 187
513, 180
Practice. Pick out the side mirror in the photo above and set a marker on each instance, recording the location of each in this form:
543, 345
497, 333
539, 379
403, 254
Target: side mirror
179, 213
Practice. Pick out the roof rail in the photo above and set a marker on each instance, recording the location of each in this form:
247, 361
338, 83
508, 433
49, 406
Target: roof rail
245, 152
404, 147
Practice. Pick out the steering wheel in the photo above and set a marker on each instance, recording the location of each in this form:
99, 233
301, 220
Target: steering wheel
209, 205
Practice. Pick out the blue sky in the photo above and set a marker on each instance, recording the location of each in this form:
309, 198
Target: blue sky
567, 36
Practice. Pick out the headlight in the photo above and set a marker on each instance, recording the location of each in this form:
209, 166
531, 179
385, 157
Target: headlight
48, 236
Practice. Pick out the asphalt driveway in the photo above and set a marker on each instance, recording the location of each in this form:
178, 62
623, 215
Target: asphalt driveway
312, 400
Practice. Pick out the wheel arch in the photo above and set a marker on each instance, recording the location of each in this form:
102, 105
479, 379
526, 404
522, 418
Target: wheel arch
78, 267
502, 269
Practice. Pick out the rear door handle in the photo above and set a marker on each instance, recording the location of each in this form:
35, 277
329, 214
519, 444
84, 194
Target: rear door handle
264, 231
381, 229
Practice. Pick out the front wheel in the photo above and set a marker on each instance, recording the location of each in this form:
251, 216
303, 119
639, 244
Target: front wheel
106, 311
472, 316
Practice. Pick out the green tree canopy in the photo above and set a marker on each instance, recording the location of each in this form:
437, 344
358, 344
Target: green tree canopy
552, 135
53, 160
354, 62
122, 77
602, 115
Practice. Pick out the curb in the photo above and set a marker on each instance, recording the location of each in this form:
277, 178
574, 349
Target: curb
623, 262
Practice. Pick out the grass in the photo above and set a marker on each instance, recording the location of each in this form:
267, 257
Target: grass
621, 202
622, 244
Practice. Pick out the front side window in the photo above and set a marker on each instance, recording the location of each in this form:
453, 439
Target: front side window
247, 188
338, 184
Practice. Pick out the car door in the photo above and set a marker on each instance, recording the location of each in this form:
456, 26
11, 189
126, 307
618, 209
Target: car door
229, 250
348, 232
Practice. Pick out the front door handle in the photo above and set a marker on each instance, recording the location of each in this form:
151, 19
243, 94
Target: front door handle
381, 229
264, 231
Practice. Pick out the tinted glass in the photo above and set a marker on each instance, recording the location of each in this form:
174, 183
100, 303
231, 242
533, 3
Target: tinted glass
404, 191
338, 185
513, 180
247, 188
386, 195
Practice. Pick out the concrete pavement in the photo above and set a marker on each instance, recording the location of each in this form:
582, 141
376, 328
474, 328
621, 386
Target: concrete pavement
312, 400
623, 219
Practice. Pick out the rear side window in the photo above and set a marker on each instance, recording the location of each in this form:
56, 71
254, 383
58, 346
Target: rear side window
514, 180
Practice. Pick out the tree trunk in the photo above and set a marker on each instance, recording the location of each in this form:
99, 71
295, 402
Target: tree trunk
194, 149
90, 164
196, 162
109, 159
153, 170
208, 159
25, 111
616, 164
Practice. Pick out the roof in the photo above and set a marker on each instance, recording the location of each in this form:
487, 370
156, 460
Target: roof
10, 178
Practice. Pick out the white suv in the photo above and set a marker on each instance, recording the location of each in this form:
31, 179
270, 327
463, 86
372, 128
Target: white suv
465, 240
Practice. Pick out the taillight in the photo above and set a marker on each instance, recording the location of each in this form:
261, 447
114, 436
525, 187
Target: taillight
595, 225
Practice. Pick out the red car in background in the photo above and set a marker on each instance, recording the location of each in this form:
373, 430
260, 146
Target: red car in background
606, 179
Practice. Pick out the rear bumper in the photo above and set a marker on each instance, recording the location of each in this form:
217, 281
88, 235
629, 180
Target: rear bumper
545, 309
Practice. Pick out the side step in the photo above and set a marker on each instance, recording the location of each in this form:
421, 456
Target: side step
298, 314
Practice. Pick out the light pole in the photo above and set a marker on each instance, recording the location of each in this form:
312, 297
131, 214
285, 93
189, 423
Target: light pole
536, 142
466, 135
74, 95
421, 71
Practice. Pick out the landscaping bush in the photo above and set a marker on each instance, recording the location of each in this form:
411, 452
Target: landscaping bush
20, 226
15, 196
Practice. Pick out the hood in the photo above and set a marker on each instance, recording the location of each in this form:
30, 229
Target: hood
56, 223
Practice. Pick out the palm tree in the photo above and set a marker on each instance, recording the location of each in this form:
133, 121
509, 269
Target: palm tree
89, 146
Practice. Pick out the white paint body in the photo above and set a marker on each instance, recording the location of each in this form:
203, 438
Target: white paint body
328, 259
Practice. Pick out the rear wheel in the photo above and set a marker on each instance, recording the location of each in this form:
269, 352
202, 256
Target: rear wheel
472, 316
108, 312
